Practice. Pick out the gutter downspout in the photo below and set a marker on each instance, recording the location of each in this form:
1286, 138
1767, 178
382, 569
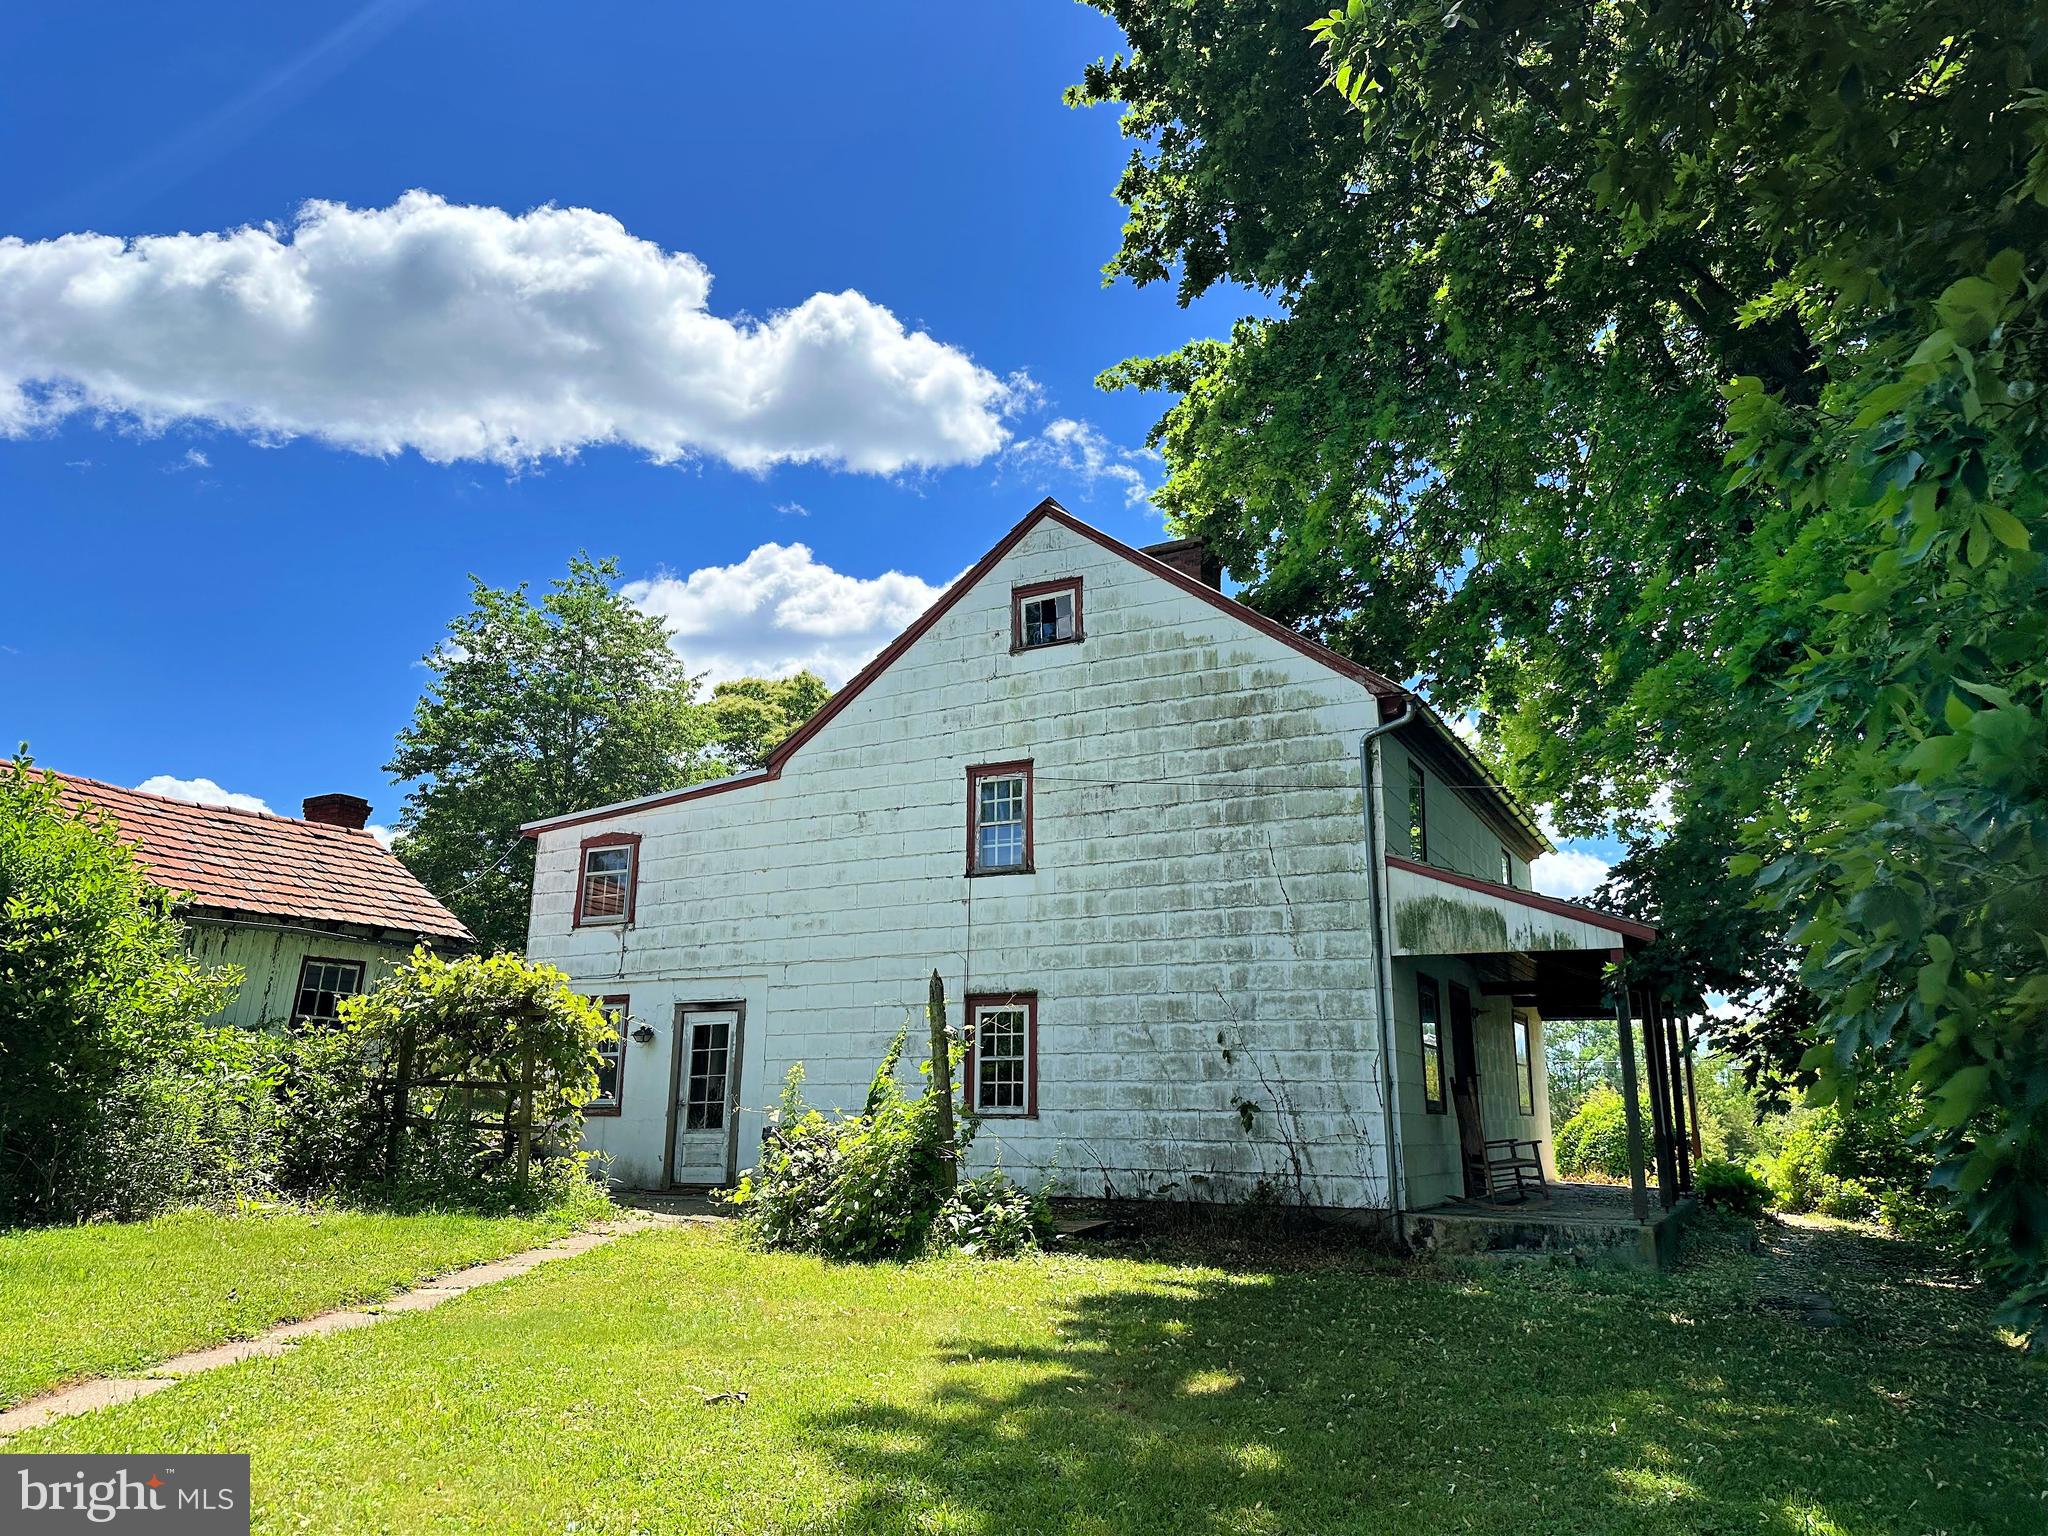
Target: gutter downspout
1369, 777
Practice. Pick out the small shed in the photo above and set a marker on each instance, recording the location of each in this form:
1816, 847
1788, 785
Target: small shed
312, 908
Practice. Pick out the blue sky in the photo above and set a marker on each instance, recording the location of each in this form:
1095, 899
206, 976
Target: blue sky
235, 517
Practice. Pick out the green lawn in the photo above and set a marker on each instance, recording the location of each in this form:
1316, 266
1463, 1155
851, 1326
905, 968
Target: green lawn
1094, 1394
99, 1300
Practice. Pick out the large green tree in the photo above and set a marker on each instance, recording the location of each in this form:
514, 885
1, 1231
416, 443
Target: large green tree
542, 706
749, 717
536, 708
1662, 382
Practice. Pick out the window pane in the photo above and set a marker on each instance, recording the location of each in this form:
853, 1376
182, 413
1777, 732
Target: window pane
999, 823
1418, 819
322, 986
705, 1107
607, 861
609, 1053
1047, 619
1002, 1067
1525, 1082
1432, 1044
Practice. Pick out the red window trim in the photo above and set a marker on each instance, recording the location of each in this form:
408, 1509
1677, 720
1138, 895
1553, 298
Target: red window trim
1029, 1002
609, 840
1020, 595
597, 1109
975, 775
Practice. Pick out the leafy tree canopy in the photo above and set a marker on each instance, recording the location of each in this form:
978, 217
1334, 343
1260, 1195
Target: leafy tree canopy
536, 709
751, 716
541, 707
1662, 383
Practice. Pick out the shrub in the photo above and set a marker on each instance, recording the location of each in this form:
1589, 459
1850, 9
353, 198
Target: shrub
1594, 1142
995, 1218
1729, 1186
99, 1002
874, 1185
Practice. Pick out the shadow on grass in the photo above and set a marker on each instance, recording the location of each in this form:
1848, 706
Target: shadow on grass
1352, 1394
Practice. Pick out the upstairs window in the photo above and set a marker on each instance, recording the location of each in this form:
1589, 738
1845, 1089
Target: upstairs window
611, 1059
999, 819
1426, 1004
322, 986
610, 869
1418, 815
1045, 613
1507, 868
1001, 1071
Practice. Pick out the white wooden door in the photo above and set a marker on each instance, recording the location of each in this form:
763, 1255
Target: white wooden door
706, 1094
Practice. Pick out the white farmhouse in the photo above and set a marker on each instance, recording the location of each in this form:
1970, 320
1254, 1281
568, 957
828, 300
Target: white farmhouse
1124, 817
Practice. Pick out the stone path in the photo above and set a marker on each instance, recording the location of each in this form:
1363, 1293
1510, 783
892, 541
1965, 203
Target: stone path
105, 1391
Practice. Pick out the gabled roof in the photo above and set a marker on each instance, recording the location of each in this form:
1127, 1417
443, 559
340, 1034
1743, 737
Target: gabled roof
264, 865
1392, 697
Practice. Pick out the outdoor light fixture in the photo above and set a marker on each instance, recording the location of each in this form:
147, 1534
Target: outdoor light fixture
643, 1033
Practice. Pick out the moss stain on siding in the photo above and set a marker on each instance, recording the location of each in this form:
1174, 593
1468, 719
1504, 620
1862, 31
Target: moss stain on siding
1446, 926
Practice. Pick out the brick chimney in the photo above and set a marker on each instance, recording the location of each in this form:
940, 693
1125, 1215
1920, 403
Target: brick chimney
1191, 558
337, 810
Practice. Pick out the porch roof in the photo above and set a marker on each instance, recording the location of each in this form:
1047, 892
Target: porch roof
1437, 912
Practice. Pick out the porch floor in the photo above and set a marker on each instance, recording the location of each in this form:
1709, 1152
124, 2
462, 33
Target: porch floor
1583, 1219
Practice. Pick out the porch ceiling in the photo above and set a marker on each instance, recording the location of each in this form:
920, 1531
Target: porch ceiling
1436, 912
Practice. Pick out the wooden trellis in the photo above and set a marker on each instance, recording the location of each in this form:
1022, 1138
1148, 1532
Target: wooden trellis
512, 1129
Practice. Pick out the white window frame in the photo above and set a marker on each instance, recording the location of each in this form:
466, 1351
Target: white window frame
980, 779
585, 918
1025, 1006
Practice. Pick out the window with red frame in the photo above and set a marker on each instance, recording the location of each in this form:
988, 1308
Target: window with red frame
1045, 613
999, 819
611, 1059
604, 888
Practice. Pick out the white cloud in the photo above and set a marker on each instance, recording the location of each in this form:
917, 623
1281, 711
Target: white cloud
779, 611
200, 792
1570, 872
1072, 453
383, 835
473, 333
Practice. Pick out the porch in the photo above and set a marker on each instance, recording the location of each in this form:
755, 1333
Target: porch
1584, 1219
1529, 958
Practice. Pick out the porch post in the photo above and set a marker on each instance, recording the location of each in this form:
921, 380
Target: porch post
1692, 1088
1682, 1141
1659, 1076
1639, 1194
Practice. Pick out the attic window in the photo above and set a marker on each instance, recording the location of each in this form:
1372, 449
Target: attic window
606, 879
1045, 613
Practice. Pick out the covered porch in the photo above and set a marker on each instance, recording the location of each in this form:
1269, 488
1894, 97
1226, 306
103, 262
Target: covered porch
1526, 958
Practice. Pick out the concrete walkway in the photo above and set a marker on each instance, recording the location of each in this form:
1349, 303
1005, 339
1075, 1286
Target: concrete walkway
105, 1391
